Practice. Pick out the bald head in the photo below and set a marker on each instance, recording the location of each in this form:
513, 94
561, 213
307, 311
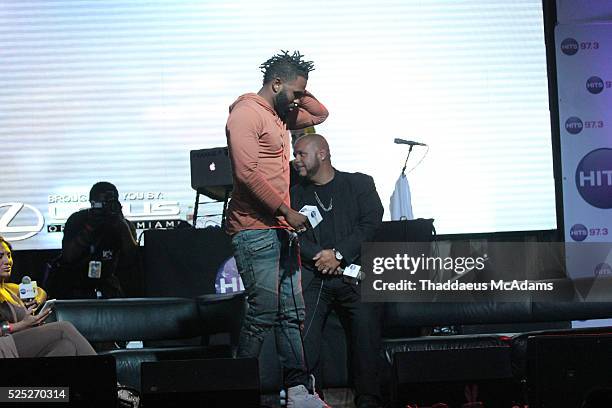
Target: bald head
316, 140
312, 158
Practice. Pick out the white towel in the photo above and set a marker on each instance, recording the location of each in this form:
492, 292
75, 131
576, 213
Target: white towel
401, 201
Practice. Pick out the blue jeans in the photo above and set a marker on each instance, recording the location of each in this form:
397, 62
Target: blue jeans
271, 278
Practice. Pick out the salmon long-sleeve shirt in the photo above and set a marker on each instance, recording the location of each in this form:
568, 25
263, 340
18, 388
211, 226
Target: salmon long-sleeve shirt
259, 147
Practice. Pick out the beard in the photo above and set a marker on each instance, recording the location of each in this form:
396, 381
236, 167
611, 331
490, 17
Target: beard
282, 105
309, 170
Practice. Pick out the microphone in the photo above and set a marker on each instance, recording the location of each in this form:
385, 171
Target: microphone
293, 236
27, 289
313, 214
408, 142
314, 218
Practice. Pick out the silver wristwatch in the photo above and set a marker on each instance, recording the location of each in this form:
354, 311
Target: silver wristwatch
338, 255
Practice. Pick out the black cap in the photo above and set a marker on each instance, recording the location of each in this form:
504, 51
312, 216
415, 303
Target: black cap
103, 189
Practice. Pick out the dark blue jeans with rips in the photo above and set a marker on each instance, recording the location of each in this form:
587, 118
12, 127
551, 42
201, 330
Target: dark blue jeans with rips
269, 270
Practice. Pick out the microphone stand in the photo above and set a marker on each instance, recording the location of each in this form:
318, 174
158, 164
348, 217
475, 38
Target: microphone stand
406, 162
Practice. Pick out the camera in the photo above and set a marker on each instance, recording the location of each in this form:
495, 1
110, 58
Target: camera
106, 203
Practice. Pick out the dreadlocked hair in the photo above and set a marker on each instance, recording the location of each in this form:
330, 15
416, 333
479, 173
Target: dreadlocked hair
286, 67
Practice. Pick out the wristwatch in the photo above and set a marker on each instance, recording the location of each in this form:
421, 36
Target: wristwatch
338, 255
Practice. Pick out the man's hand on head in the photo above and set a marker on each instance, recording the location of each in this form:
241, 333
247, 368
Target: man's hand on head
298, 102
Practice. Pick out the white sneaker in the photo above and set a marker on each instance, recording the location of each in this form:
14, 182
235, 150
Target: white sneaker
299, 397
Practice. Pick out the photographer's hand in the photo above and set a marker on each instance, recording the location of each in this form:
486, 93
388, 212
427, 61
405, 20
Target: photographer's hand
78, 244
122, 226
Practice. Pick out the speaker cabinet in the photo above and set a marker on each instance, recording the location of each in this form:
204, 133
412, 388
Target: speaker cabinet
566, 370
90, 381
428, 377
200, 383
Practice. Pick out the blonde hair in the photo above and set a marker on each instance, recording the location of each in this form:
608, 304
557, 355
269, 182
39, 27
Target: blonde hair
8, 244
8, 290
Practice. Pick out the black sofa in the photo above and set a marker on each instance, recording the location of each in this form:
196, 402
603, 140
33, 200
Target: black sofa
499, 355
493, 343
169, 328
179, 328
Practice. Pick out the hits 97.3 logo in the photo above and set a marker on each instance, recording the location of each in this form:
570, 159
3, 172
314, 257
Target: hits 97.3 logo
594, 178
575, 125
570, 46
596, 85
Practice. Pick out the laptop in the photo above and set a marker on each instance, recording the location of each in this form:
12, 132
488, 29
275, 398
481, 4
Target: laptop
83, 381
211, 170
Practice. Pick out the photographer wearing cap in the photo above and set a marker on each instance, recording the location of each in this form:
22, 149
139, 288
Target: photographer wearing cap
96, 243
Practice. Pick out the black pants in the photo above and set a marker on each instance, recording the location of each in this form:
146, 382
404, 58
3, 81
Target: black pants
361, 321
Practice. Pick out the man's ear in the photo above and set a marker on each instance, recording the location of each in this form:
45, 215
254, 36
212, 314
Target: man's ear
276, 85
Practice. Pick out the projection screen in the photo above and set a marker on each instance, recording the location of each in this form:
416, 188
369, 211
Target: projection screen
122, 91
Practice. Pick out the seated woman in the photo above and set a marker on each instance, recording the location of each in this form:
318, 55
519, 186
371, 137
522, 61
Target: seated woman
23, 334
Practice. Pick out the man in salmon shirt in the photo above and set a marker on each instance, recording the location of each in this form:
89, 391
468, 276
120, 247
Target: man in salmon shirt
260, 217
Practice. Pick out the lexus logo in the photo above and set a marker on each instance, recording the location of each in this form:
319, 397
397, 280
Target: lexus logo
28, 219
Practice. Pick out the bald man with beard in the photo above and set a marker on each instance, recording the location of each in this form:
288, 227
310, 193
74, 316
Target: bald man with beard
352, 212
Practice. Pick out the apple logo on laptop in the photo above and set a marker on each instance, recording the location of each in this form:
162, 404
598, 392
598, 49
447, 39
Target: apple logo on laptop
212, 166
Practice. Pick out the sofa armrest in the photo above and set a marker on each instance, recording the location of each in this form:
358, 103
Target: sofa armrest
222, 313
